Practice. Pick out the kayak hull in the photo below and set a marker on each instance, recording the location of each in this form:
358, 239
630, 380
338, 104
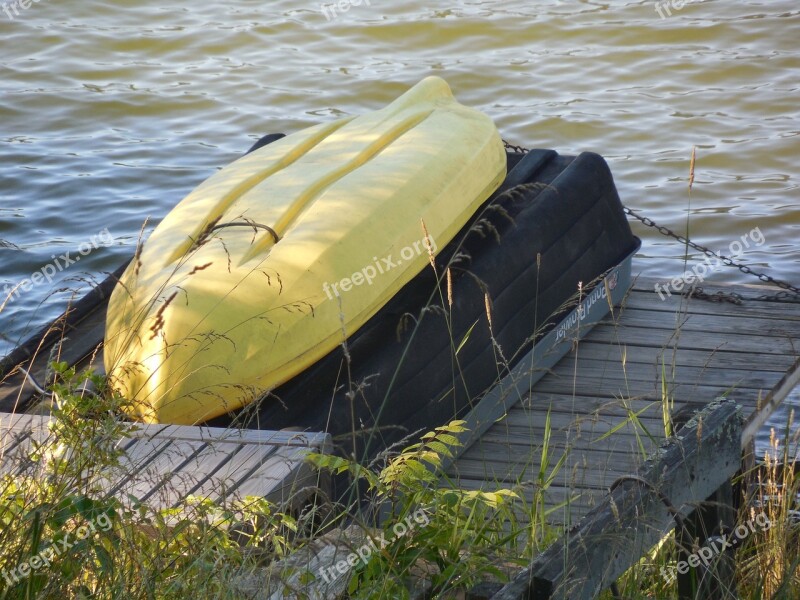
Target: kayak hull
272, 262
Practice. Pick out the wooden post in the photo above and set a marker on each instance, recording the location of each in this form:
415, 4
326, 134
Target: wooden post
704, 527
638, 512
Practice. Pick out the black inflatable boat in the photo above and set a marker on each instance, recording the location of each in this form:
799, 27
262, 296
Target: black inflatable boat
542, 254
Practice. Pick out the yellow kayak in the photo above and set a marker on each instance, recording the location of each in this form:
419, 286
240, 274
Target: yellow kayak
271, 262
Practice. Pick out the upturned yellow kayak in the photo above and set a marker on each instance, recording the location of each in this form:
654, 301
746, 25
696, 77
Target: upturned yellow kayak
271, 262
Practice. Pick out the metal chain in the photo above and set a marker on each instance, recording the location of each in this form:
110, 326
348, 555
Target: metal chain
513, 148
790, 293
732, 297
783, 296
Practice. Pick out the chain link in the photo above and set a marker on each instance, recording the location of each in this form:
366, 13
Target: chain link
790, 293
701, 294
513, 148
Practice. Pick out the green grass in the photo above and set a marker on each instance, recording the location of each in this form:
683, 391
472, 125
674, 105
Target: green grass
451, 538
56, 517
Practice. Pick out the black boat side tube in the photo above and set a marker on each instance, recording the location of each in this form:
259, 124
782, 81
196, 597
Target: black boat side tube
420, 362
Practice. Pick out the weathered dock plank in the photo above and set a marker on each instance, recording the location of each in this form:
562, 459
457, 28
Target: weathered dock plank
164, 464
650, 355
637, 512
693, 349
159, 473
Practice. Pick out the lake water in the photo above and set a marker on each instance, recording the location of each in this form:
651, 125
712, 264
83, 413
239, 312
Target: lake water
111, 112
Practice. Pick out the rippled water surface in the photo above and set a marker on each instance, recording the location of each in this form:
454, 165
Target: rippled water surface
110, 112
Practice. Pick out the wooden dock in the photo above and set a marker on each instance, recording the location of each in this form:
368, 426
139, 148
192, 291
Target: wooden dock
164, 464
604, 400
605, 397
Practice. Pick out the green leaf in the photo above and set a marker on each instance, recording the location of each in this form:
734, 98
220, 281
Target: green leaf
105, 560
453, 427
450, 440
306, 578
440, 448
465, 338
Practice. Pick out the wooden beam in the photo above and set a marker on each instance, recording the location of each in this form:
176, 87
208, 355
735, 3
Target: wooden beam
638, 511
768, 405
